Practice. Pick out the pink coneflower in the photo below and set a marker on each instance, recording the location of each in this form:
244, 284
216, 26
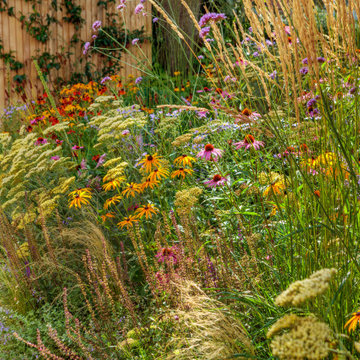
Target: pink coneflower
55, 158
166, 254
249, 142
77, 147
40, 141
210, 153
217, 180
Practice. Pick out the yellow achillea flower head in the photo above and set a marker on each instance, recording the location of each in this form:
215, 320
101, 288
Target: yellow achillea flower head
306, 337
181, 172
79, 197
131, 190
147, 210
150, 161
128, 221
303, 290
184, 160
112, 201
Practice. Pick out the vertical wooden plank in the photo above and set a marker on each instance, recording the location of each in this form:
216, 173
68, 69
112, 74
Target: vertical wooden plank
2, 66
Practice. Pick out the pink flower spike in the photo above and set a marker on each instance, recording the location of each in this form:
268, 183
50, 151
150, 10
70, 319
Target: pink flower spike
249, 142
210, 153
217, 180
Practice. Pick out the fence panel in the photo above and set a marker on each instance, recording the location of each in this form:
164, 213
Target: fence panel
16, 40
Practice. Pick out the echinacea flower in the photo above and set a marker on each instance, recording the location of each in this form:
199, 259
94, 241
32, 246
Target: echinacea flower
159, 173
79, 197
181, 172
112, 201
217, 180
184, 160
147, 210
112, 185
150, 161
210, 153
77, 147
249, 142
128, 222
132, 189
40, 141
353, 321
167, 253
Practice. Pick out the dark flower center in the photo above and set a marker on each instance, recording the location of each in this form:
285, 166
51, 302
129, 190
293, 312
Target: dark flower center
181, 169
249, 139
246, 112
209, 147
217, 178
150, 158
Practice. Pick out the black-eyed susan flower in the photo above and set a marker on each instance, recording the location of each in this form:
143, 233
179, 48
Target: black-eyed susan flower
276, 188
132, 189
112, 201
158, 173
79, 197
184, 160
150, 161
353, 321
128, 221
148, 183
147, 210
112, 185
181, 172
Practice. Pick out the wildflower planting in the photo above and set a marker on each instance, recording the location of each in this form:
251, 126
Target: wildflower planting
211, 212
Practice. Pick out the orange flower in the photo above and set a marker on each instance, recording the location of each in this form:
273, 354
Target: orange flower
150, 161
353, 321
132, 189
112, 201
181, 172
159, 173
184, 160
147, 210
148, 183
128, 221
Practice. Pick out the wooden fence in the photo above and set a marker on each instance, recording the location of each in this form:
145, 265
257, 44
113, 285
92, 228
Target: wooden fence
16, 39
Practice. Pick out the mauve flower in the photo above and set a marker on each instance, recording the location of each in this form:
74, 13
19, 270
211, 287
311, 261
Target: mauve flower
304, 70
55, 158
101, 160
321, 59
94, 37
210, 153
204, 31
205, 19
200, 57
83, 164
166, 254
40, 141
305, 61
139, 8
96, 25
138, 80
249, 142
273, 74
217, 180
312, 101
105, 79
155, 20
86, 48
77, 147
122, 4
135, 41
125, 132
